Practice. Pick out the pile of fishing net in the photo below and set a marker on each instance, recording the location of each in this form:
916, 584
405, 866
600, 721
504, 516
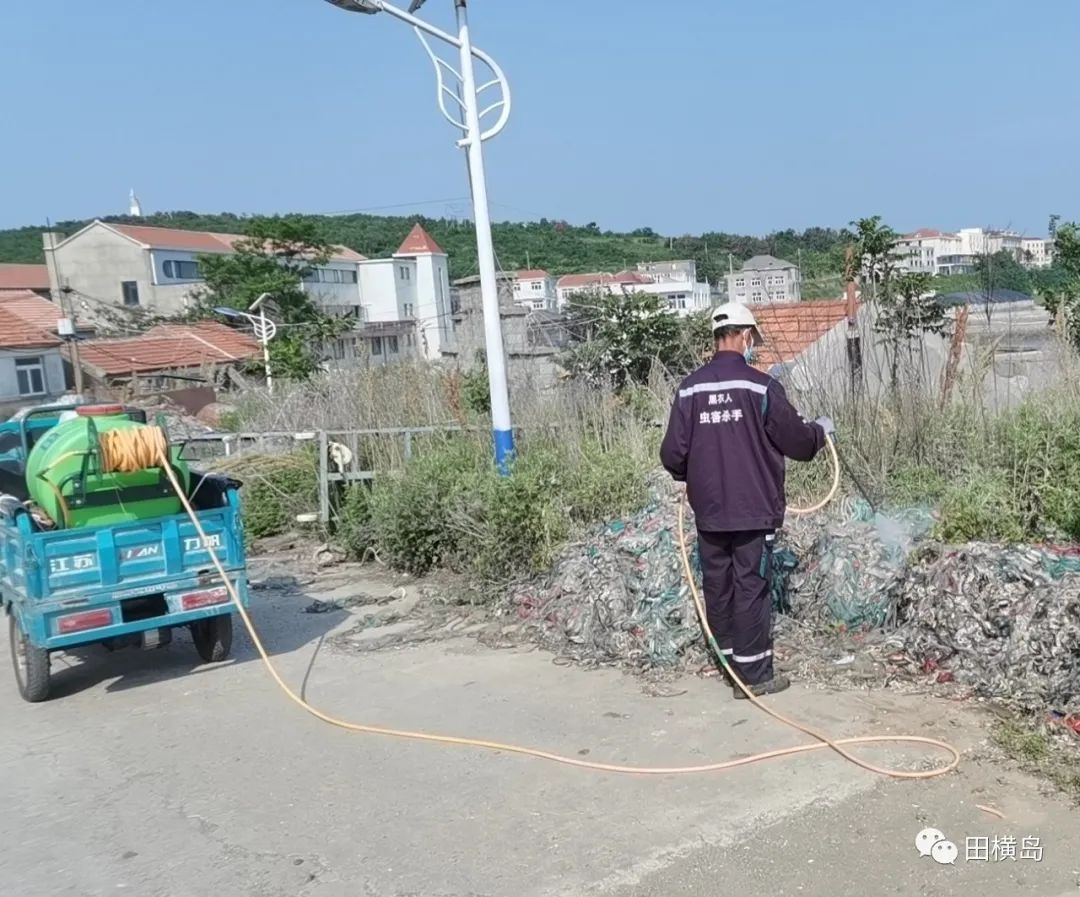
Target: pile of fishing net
1003, 621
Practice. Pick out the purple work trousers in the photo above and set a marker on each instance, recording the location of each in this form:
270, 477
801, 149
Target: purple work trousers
736, 571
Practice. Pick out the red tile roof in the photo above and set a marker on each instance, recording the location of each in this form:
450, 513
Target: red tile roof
15, 333
573, 281
203, 241
31, 308
533, 274
24, 277
419, 242
789, 329
632, 277
175, 238
170, 347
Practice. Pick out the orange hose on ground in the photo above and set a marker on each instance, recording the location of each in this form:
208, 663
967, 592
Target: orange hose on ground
822, 742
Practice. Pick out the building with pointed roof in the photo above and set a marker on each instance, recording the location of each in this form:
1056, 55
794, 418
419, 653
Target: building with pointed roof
412, 285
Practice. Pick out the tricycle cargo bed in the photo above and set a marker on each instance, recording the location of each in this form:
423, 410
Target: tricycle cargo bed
112, 573
70, 587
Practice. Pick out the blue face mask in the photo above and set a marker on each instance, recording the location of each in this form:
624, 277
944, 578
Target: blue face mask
748, 354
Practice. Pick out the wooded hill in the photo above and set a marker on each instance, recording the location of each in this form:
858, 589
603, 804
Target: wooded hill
556, 246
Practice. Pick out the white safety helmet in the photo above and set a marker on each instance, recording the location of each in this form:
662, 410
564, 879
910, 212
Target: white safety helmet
735, 314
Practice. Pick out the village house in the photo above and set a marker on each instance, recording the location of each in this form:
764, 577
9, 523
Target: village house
34, 278
536, 289
675, 283
764, 278
31, 365
166, 357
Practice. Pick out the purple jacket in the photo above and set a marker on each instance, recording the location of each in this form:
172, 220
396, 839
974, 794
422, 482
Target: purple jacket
731, 427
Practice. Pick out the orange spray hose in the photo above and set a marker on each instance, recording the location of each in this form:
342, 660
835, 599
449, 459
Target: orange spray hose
151, 450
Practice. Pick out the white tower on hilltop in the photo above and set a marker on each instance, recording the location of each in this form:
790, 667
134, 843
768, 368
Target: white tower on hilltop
134, 209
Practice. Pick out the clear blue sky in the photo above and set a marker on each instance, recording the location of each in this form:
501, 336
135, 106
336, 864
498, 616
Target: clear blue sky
683, 116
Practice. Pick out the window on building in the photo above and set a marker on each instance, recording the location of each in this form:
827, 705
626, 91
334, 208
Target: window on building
407, 308
740, 281
756, 282
30, 376
358, 312
537, 286
376, 345
177, 270
310, 276
391, 345
755, 296
404, 273
129, 289
339, 349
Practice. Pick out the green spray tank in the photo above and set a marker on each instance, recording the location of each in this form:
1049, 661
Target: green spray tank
65, 478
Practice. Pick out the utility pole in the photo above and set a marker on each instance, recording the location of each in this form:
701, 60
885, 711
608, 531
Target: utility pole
66, 327
73, 338
854, 342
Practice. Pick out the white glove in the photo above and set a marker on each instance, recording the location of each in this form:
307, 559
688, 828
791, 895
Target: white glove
826, 424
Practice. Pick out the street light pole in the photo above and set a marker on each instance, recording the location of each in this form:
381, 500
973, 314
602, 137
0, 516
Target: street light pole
489, 288
466, 97
264, 327
264, 332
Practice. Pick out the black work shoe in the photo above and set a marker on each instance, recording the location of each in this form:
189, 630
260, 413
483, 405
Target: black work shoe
773, 686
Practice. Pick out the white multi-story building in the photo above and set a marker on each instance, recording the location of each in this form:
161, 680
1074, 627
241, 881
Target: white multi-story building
411, 285
929, 251
674, 282
940, 252
764, 278
535, 289
1038, 252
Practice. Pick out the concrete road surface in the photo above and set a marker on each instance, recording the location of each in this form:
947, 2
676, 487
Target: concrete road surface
151, 775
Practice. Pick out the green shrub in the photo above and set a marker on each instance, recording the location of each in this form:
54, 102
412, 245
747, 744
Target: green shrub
605, 483
275, 489
448, 507
412, 510
981, 507
912, 484
522, 520
1039, 448
354, 530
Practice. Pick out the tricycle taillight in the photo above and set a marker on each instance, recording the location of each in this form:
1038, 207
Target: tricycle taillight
80, 622
208, 598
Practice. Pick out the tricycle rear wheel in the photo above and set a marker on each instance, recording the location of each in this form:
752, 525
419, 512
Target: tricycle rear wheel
213, 637
31, 664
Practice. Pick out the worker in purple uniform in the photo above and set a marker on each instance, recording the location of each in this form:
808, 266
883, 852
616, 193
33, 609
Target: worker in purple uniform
731, 428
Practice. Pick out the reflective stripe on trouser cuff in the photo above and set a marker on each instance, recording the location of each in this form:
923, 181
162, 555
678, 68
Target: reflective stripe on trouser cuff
752, 657
727, 652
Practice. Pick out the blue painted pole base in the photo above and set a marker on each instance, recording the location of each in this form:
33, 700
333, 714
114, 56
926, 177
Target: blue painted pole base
504, 450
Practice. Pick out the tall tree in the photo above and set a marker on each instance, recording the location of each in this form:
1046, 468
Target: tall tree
1060, 287
618, 336
908, 312
1001, 271
274, 257
874, 246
